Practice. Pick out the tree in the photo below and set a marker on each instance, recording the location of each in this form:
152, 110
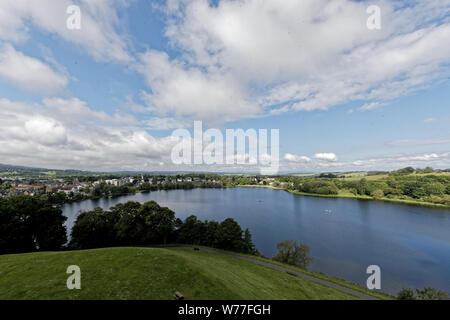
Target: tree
249, 247
428, 170
92, 230
211, 233
130, 228
404, 171
229, 235
191, 231
434, 188
290, 252
159, 220
429, 293
134, 224
377, 194
362, 186
30, 224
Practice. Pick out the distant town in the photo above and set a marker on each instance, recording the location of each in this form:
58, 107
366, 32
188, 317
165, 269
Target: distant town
13, 185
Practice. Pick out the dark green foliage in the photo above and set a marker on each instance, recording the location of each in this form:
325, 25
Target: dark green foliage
406, 294
30, 224
227, 235
125, 224
318, 186
249, 246
427, 293
192, 231
133, 223
404, 171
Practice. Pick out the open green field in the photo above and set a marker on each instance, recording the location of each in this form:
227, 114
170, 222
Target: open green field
151, 273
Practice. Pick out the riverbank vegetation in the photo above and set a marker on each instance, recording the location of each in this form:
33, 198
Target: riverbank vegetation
427, 293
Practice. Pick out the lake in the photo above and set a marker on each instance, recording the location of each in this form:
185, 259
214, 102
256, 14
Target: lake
411, 244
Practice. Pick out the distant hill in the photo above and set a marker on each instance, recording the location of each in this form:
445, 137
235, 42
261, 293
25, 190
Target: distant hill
6, 169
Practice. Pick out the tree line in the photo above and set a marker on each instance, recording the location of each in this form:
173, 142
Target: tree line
132, 223
404, 184
30, 223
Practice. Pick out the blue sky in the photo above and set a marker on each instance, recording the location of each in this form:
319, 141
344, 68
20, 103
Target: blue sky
109, 95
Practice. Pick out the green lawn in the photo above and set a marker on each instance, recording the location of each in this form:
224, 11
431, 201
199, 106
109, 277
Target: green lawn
150, 273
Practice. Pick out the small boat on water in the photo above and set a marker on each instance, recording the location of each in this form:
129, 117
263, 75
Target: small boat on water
328, 211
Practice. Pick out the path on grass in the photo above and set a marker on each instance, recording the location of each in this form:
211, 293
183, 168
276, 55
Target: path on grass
289, 271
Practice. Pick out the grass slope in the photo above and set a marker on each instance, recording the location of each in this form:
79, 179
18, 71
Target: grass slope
150, 273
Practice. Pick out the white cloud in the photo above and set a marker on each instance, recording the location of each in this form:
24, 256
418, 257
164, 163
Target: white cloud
413, 142
404, 160
371, 106
326, 156
43, 135
29, 73
295, 158
384, 162
191, 92
99, 24
156, 123
439, 119
294, 55
46, 131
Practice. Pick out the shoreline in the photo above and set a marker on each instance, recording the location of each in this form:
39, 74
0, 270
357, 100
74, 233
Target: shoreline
357, 197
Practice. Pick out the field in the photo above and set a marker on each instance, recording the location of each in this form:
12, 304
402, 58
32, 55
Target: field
151, 273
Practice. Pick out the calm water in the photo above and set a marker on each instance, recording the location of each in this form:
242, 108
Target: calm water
411, 244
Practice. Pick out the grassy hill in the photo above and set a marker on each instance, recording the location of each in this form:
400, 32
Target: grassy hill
150, 273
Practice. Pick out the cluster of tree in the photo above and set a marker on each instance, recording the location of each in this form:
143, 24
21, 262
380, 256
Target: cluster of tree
107, 190
290, 252
5, 185
427, 293
431, 188
423, 185
317, 186
30, 224
133, 223
227, 235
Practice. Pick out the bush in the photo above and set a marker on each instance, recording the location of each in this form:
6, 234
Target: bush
406, 294
290, 252
377, 194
